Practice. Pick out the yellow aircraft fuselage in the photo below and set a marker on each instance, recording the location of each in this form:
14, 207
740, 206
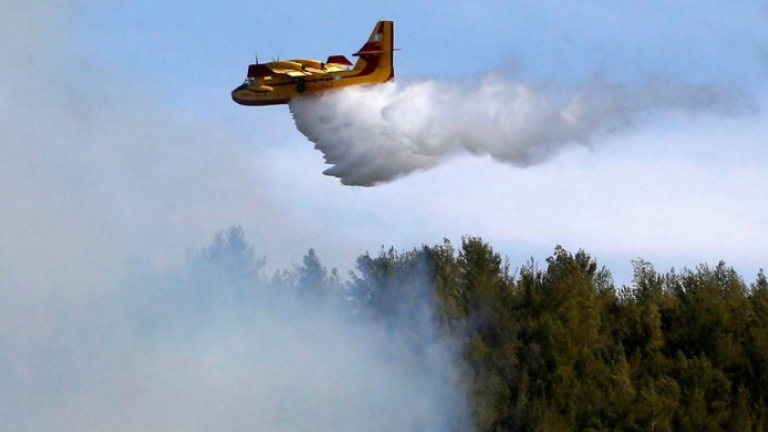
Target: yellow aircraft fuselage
278, 82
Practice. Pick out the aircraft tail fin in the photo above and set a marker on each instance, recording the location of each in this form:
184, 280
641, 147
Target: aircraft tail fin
378, 51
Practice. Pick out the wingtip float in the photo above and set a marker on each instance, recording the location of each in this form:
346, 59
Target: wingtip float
278, 82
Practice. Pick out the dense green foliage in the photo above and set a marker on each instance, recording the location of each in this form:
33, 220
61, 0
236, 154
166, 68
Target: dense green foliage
562, 349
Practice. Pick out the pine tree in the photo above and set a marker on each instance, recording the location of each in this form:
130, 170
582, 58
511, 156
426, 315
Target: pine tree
312, 277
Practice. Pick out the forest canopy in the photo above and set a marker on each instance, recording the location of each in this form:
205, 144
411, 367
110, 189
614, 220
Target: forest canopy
554, 347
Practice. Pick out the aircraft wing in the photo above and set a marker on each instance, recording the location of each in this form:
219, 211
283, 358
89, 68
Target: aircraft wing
293, 74
293, 69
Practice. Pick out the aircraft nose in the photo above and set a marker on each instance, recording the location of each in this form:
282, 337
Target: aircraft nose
238, 92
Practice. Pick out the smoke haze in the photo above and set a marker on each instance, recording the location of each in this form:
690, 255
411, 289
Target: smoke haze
98, 184
143, 356
373, 135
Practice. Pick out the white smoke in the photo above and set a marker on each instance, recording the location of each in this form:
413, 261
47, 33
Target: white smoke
140, 359
375, 134
95, 183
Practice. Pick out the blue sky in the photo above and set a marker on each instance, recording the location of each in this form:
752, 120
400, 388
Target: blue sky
153, 78
567, 39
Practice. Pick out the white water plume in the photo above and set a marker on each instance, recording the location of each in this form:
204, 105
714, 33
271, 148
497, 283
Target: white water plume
373, 135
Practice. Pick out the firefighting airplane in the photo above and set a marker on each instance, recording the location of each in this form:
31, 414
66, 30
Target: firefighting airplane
278, 82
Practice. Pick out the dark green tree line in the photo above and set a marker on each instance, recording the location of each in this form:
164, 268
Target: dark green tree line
559, 347
562, 349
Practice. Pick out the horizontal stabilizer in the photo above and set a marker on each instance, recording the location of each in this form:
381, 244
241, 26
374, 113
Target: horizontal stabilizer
365, 53
339, 59
259, 70
370, 48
